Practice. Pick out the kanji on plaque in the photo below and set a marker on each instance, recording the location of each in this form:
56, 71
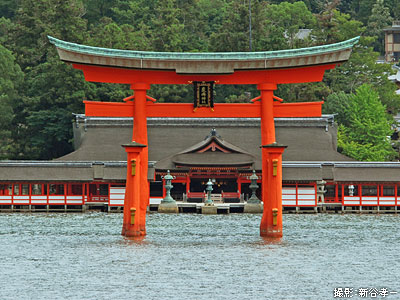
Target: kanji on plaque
203, 94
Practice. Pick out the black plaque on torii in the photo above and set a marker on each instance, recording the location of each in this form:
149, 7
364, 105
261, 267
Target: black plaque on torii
203, 94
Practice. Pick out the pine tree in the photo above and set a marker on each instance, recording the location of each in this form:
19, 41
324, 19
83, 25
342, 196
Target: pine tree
167, 29
35, 19
10, 79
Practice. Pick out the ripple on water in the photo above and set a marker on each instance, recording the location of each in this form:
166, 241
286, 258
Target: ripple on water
190, 256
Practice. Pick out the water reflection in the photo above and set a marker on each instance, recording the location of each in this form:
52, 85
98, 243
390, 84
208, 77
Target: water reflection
136, 241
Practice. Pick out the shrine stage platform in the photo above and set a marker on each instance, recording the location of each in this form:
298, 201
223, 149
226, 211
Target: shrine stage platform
227, 208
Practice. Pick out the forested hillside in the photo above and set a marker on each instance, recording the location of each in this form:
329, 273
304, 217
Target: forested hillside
38, 93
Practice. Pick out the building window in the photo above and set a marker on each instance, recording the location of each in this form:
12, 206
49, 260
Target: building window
16, 189
5, 189
156, 189
103, 189
37, 189
76, 189
56, 189
396, 38
330, 191
369, 190
24, 189
388, 191
351, 190
339, 191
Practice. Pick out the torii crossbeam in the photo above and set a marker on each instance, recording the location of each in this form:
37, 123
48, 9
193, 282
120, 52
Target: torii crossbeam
265, 69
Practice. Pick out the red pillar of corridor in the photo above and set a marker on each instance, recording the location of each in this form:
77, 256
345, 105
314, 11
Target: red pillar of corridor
271, 222
139, 198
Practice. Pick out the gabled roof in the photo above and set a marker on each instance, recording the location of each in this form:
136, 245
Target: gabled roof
212, 151
214, 141
100, 139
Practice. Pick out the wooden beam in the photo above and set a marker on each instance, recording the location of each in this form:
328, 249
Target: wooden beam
277, 76
221, 110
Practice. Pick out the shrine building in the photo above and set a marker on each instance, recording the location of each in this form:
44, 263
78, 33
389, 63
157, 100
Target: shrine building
196, 150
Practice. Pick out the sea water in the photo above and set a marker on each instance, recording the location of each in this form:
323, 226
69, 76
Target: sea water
191, 256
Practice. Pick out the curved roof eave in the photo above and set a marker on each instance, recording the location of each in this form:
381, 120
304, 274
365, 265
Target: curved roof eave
204, 62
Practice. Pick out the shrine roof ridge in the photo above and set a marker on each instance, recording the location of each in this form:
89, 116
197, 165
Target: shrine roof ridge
133, 54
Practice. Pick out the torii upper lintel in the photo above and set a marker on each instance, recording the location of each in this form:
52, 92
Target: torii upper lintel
220, 64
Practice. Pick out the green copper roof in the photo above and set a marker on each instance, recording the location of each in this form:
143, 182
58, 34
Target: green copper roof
129, 54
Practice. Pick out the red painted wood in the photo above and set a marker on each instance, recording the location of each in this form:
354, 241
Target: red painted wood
271, 193
213, 146
277, 76
221, 110
139, 111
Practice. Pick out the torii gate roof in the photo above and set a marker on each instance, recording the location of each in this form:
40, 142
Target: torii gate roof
218, 63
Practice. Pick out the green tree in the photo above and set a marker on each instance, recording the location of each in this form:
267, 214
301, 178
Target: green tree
378, 20
132, 12
300, 92
274, 26
167, 29
35, 19
43, 116
200, 18
172, 92
289, 18
396, 10
361, 9
6, 29
10, 79
338, 104
50, 85
367, 136
345, 6
233, 35
51, 134
108, 34
315, 6
334, 26
361, 69
8, 8
95, 10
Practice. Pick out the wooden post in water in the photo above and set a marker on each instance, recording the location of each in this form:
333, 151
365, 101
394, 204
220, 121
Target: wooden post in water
133, 218
271, 222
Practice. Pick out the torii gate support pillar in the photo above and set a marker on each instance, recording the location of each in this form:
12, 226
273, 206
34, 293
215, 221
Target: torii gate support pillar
133, 215
271, 222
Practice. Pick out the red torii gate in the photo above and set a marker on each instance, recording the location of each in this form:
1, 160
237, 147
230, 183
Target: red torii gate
141, 69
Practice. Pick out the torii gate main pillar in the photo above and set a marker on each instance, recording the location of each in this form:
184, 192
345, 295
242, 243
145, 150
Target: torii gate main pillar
271, 222
137, 186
